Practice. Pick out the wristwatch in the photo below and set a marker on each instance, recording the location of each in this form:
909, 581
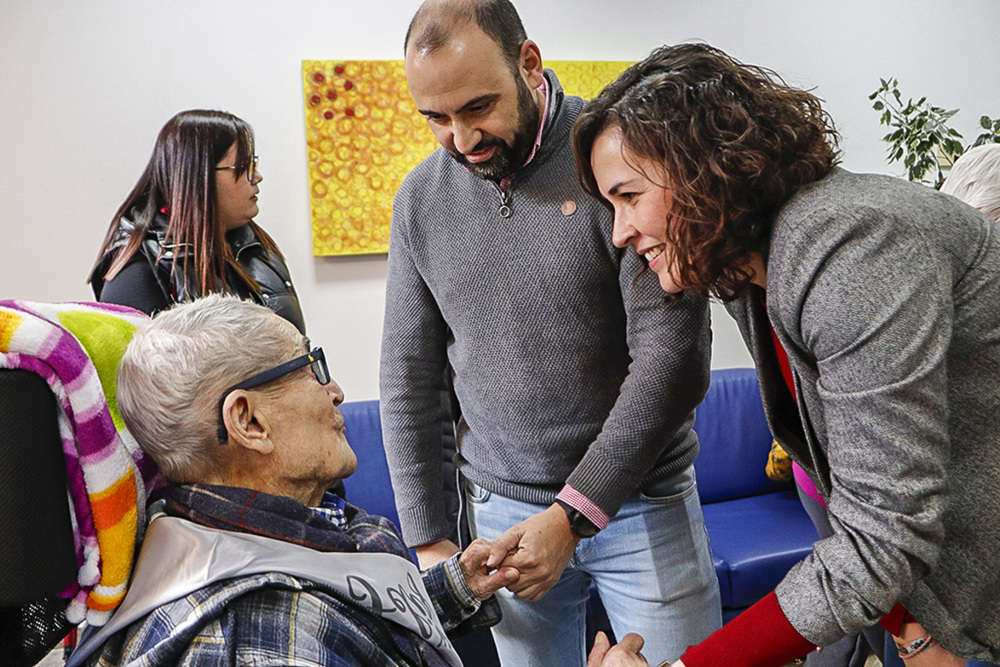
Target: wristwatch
578, 523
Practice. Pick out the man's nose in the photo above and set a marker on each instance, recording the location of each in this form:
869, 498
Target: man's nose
335, 392
466, 138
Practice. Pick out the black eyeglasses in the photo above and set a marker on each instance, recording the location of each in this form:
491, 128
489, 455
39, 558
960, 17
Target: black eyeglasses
316, 361
250, 168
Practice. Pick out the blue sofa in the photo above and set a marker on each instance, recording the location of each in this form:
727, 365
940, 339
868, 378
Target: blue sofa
757, 527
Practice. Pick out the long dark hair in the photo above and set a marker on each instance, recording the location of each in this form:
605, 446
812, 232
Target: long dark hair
180, 179
733, 143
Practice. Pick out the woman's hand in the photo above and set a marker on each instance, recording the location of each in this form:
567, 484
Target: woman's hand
933, 656
936, 656
623, 654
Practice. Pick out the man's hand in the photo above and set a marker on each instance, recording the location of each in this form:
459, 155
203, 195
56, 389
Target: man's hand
429, 555
480, 578
539, 548
623, 654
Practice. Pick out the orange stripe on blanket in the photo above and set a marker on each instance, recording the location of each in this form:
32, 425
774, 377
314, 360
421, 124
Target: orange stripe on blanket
116, 519
102, 603
113, 503
117, 550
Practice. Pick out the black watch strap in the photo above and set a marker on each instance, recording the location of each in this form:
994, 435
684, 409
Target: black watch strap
578, 523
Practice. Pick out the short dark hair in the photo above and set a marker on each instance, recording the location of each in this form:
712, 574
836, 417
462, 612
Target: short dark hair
433, 25
733, 143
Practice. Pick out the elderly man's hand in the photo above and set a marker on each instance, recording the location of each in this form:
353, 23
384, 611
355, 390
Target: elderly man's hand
624, 654
481, 580
539, 547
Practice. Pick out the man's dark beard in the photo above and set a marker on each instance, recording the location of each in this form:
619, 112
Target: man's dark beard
507, 158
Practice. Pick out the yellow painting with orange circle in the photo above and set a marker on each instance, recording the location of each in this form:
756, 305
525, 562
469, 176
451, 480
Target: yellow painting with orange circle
364, 135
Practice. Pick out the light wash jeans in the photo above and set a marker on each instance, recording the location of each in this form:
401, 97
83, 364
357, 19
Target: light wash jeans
653, 568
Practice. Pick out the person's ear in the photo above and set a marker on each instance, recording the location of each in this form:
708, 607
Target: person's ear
530, 63
245, 423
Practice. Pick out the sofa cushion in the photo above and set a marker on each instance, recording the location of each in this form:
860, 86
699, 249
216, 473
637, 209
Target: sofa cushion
758, 539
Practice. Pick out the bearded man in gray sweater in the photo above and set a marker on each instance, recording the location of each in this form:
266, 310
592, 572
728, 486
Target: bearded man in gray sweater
576, 383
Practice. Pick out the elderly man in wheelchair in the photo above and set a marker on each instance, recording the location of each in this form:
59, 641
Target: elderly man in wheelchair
250, 558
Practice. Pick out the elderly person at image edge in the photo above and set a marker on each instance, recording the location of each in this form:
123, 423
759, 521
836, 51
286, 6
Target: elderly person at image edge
870, 307
249, 467
975, 179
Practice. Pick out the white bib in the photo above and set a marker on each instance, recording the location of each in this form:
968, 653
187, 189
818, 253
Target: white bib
179, 557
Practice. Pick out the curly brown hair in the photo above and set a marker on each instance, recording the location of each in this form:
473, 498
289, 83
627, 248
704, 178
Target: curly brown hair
733, 142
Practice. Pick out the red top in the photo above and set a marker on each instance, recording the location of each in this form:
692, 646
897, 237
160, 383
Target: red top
762, 636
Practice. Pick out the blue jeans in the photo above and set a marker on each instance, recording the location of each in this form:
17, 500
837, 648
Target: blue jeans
653, 569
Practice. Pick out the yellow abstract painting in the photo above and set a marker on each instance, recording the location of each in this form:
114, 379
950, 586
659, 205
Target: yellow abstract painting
364, 135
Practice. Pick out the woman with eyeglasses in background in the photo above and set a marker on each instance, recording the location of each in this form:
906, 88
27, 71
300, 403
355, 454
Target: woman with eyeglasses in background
186, 229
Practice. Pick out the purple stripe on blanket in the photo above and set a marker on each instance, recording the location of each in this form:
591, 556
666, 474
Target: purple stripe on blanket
95, 431
68, 359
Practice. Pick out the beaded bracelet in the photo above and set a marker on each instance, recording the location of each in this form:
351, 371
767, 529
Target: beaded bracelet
915, 647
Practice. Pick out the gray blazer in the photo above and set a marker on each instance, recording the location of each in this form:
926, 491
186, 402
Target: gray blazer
886, 297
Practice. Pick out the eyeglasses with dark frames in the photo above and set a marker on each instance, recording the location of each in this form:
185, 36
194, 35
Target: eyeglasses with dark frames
251, 168
316, 361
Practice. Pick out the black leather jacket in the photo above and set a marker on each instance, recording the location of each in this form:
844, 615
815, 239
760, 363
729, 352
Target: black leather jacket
276, 289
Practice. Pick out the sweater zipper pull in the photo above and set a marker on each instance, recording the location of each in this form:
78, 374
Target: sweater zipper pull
504, 203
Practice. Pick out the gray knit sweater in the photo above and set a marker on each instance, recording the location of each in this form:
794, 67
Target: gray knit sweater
885, 295
567, 368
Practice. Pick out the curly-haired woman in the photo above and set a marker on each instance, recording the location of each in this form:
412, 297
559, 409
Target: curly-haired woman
869, 306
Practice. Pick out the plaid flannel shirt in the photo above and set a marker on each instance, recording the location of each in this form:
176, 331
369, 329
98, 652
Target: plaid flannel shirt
275, 618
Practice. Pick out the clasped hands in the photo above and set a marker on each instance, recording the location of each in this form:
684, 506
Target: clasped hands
528, 558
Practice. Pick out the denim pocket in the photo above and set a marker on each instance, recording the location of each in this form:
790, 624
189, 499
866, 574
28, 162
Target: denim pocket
475, 493
671, 490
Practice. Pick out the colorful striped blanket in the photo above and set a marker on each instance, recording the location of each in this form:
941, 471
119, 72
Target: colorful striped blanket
76, 348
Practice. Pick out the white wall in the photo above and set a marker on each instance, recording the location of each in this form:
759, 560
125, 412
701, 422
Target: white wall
86, 84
